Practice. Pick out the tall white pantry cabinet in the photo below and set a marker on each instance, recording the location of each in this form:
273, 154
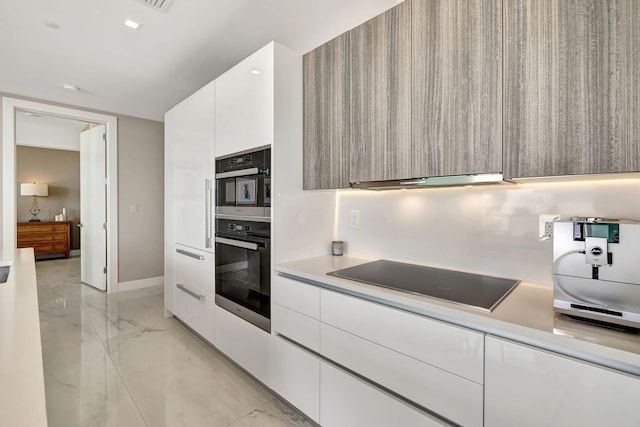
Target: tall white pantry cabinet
258, 102
189, 205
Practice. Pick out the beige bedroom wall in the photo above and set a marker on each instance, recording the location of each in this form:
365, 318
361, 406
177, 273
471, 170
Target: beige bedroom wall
60, 169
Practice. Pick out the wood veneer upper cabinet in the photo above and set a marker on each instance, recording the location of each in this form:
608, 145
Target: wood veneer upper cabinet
456, 104
381, 97
326, 115
572, 87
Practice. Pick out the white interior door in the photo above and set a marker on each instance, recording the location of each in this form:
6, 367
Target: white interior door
93, 212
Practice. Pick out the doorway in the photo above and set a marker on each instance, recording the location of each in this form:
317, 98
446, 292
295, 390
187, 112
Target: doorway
11, 107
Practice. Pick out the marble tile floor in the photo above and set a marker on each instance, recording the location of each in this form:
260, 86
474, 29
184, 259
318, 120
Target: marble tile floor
114, 360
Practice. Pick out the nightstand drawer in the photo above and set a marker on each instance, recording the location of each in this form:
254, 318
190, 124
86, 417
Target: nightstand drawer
45, 237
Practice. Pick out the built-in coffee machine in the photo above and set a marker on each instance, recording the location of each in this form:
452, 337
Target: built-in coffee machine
596, 269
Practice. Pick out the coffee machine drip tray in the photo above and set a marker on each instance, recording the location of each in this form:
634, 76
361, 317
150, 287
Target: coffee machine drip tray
472, 290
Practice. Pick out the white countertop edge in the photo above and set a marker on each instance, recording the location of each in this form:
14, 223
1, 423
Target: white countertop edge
597, 354
22, 393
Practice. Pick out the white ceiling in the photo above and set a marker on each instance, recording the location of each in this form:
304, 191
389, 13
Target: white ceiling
144, 73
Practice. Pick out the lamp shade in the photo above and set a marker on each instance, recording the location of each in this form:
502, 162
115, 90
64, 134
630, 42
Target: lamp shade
33, 189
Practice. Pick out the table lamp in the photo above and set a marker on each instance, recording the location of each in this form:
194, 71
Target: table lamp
34, 190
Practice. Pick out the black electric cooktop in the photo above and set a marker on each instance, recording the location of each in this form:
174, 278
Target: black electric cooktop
473, 290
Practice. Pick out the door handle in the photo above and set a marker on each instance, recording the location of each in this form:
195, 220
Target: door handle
189, 292
208, 190
190, 254
80, 225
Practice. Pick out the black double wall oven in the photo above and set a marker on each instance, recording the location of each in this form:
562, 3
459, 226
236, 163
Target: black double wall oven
243, 235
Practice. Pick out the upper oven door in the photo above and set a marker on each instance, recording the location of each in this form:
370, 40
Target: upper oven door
242, 195
243, 184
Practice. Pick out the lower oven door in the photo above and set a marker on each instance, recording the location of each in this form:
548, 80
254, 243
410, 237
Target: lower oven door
243, 279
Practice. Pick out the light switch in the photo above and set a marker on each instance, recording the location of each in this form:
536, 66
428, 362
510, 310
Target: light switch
134, 208
354, 219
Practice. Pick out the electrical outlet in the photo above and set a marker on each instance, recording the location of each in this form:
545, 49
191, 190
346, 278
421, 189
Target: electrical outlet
545, 226
354, 219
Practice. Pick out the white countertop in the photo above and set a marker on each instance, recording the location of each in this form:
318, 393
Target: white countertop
526, 315
22, 397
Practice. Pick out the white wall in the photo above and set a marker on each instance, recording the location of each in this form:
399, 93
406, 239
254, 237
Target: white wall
44, 133
302, 220
490, 231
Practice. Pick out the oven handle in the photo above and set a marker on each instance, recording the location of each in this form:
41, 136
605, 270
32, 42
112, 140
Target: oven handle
237, 243
241, 172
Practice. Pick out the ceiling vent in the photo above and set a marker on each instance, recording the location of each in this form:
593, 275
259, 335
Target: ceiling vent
160, 5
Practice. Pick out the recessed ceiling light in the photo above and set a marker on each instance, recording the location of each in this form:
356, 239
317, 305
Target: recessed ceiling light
132, 24
51, 24
255, 71
71, 88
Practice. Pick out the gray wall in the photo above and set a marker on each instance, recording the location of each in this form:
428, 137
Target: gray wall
60, 169
140, 175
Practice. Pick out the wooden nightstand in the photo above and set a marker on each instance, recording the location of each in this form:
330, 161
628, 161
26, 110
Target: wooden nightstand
45, 237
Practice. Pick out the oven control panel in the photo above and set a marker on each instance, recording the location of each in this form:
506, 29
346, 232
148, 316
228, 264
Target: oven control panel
238, 227
260, 159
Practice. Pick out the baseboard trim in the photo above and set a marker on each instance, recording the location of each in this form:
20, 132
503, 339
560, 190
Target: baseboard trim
141, 283
74, 252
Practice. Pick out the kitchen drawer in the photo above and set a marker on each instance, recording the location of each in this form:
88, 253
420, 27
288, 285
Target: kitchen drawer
530, 387
449, 395
451, 348
196, 309
296, 376
244, 343
347, 401
195, 269
297, 296
295, 326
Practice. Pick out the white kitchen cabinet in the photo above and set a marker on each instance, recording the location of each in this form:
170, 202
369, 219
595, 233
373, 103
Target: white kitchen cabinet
295, 326
296, 295
296, 376
194, 290
451, 348
525, 386
195, 269
196, 309
295, 323
244, 343
244, 104
448, 395
188, 197
296, 311
347, 401
191, 131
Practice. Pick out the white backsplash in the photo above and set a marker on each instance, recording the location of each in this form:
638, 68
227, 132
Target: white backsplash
491, 231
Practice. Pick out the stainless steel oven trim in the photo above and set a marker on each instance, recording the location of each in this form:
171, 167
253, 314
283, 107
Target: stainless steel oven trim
239, 172
247, 151
244, 313
244, 217
237, 243
239, 211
